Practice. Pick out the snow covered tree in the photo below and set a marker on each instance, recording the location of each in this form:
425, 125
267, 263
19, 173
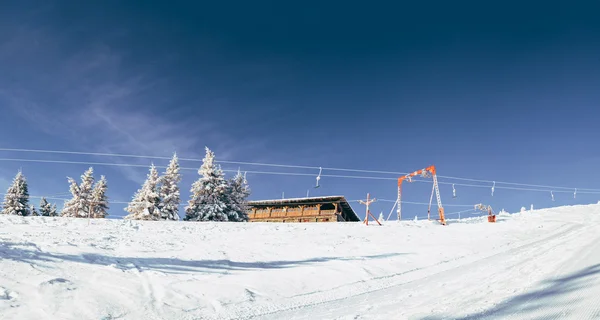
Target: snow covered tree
79, 205
169, 191
53, 211
74, 208
145, 202
44, 207
238, 193
47, 209
381, 218
209, 199
100, 199
33, 211
16, 199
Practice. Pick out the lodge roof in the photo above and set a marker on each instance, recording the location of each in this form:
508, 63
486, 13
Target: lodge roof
345, 206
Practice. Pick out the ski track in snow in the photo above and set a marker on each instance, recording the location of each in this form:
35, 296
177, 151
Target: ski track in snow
476, 270
543, 264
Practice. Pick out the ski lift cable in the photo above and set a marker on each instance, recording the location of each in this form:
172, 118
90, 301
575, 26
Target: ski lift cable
424, 203
288, 174
279, 165
459, 212
183, 204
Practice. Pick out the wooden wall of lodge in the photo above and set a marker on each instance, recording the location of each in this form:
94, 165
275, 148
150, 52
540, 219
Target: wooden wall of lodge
295, 214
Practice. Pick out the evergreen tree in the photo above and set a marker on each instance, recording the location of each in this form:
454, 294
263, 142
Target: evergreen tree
238, 193
53, 210
33, 211
169, 191
73, 208
47, 209
79, 205
145, 203
381, 218
16, 199
209, 199
100, 199
44, 207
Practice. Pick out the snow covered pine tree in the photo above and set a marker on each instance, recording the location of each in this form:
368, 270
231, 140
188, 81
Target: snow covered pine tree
169, 191
44, 207
99, 201
32, 211
145, 202
16, 199
53, 211
47, 209
79, 205
238, 192
209, 199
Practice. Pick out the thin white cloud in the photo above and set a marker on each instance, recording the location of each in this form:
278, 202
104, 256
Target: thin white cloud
91, 99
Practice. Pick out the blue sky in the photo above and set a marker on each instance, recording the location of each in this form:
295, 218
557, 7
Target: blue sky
505, 92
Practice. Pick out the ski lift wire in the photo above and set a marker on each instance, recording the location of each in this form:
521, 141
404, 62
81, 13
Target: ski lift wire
280, 165
286, 174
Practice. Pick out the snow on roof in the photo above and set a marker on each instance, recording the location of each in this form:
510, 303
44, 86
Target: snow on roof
305, 199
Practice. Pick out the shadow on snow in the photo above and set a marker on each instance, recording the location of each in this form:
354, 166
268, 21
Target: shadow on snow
31, 253
541, 302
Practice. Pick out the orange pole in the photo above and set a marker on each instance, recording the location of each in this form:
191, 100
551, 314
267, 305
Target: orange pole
431, 169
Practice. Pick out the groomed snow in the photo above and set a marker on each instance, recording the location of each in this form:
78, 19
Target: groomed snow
543, 264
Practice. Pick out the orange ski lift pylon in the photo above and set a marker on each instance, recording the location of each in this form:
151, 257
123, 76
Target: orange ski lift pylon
425, 173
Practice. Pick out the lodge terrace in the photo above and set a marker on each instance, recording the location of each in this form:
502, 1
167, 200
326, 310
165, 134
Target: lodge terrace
315, 209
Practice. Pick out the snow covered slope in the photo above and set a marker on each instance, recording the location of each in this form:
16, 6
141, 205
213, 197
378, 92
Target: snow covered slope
540, 264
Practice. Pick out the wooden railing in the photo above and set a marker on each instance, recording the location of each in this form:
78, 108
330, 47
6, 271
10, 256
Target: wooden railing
312, 213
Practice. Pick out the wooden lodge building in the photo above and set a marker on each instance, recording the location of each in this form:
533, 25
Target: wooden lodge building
315, 209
